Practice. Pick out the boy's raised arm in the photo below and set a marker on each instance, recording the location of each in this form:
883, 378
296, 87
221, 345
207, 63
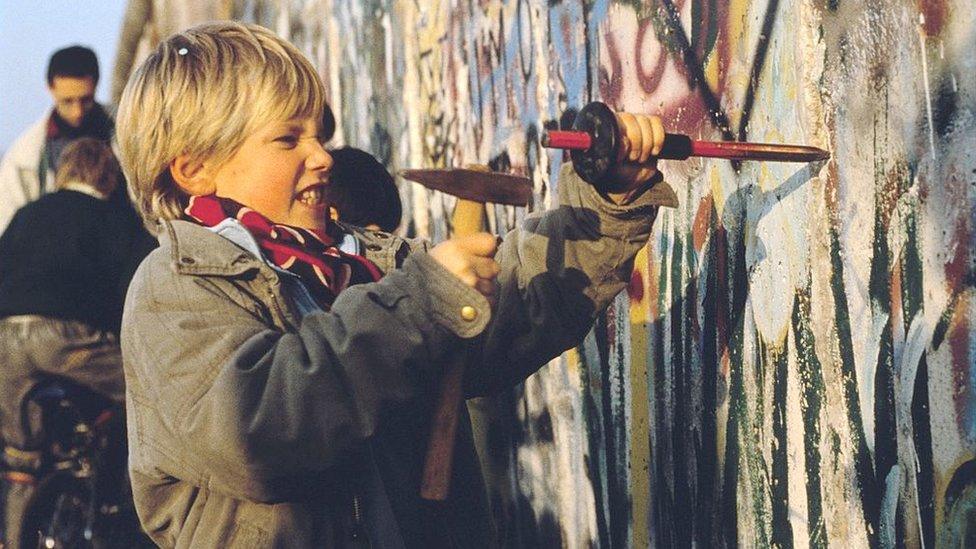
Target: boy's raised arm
559, 270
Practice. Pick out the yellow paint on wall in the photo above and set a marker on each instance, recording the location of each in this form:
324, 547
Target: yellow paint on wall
740, 14
765, 180
738, 11
711, 71
718, 191
640, 430
572, 363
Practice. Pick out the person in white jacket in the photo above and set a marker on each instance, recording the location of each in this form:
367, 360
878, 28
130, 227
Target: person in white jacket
27, 169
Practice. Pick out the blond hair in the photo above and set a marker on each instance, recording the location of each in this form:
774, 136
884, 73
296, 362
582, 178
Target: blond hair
90, 162
200, 94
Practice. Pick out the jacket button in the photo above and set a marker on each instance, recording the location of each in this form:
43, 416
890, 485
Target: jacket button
374, 247
187, 260
469, 313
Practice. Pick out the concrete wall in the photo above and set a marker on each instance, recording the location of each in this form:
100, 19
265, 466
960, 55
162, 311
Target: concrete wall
793, 363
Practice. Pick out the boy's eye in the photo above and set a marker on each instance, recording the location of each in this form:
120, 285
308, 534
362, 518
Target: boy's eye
291, 140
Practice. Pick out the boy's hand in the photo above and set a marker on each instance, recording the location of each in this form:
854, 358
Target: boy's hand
471, 258
642, 137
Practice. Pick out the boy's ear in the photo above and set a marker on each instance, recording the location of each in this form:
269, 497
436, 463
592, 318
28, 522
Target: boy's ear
191, 175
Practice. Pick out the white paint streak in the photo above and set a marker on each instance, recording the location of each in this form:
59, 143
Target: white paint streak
795, 440
388, 49
925, 81
916, 343
889, 505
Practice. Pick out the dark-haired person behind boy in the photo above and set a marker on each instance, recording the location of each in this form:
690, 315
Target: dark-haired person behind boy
65, 263
362, 192
27, 169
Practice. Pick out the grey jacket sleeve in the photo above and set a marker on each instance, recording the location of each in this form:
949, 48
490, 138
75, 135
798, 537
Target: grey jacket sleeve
560, 269
251, 407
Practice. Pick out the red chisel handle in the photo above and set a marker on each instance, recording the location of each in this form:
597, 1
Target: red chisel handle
680, 147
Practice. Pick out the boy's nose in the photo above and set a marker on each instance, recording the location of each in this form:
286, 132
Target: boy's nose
319, 159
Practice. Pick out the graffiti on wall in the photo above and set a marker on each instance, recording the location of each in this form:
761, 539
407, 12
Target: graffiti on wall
793, 363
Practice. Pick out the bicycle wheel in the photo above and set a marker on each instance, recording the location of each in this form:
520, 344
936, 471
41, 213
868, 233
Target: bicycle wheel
59, 515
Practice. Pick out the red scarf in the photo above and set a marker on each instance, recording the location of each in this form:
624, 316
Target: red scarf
311, 254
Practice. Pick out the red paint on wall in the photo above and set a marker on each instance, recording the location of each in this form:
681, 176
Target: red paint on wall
635, 290
649, 80
611, 81
936, 14
957, 269
963, 374
699, 230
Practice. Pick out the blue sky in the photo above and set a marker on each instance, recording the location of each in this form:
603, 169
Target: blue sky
30, 30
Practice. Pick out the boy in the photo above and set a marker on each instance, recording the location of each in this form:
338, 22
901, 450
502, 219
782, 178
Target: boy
278, 390
65, 262
361, 192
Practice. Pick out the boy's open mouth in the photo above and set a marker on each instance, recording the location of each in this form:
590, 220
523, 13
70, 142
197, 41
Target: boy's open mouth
312, 196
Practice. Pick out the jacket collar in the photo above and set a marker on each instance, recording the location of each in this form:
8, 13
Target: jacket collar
200, 251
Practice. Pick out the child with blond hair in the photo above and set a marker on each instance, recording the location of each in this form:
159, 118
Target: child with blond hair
279, 389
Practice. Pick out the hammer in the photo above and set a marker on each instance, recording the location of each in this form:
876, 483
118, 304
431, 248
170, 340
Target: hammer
594, 146
473, 186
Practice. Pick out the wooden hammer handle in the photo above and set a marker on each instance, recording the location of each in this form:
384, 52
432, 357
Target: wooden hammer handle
436, 482
468, 219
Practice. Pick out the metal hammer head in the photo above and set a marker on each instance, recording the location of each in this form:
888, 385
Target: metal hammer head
475, 185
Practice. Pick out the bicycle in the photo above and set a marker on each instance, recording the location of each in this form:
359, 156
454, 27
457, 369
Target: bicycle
82, 497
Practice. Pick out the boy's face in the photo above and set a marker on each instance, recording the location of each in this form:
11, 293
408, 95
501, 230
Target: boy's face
280, 171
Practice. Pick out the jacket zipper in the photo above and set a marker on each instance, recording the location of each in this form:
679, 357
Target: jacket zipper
357, 517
